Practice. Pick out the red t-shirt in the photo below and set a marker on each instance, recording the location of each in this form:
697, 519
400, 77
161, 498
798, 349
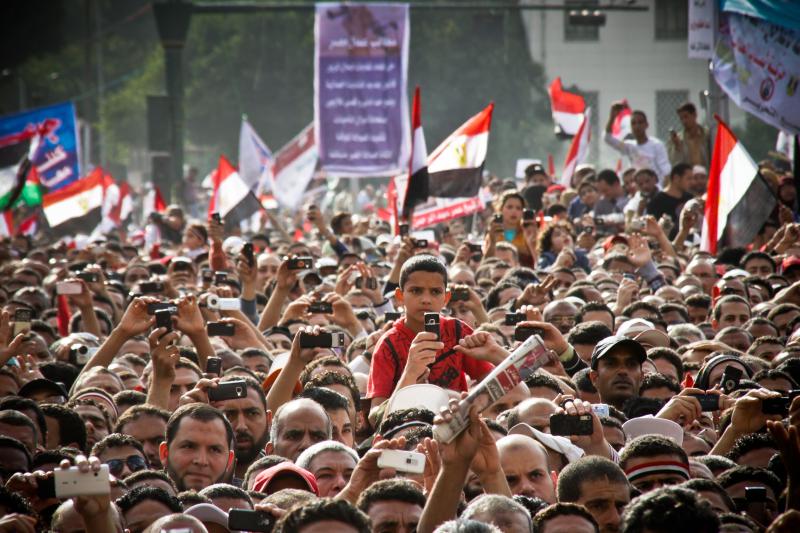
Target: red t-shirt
391, 353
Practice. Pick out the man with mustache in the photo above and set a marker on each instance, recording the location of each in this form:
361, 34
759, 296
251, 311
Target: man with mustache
616, 369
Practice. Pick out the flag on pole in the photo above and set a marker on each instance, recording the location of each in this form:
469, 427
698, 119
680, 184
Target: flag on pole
456, 165
567, 109
80, 202
232, 198
418, 185
255, 159
295, 164
621, 127
29, 226
578, 150
551, 166
6, 224
19, 180
153, 202
124, 206
738, 200
63, 316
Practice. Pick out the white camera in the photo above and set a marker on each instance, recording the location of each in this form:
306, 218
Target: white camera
224, 304
73, 482
402, 461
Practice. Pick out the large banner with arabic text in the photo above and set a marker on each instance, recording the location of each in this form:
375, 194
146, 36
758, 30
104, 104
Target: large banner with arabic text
360, 101
757, 64
56, 157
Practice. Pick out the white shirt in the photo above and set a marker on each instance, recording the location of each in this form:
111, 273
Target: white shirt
651, 154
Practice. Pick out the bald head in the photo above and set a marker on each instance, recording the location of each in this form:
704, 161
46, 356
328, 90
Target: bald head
525, 465
298, 425
535, 412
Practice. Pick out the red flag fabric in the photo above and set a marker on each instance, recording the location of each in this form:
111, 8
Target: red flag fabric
578, 150
63, 316
567, 108
418, 188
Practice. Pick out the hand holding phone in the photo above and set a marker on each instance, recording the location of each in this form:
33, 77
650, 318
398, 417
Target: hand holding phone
432, 322
402, 461
229, 390
565, 425
74, 482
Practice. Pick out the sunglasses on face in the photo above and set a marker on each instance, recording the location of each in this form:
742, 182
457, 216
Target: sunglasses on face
134, 462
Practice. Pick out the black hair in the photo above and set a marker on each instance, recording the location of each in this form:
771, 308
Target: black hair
189, 498
70, 424
495, 426
583, 382
537, 379
651, 446
116, 440
336, 378
656, 381
251, 384
775, 374
14, 503
669, 355
198, 411
609, 176
400, 490
224, 490
136, 496
323, 509
492, 299
707, 485
562, 509
17, 419
739, 474
18, 403
329, 399
531, 503
328, 360
675, 307
149, 474
416, 435
699, 300
9, 442
130, 398
669, 509
748, 443
587, 469
593, 306
756, 254
642, 306
679, 170
637, 406
422, 263
46, 457
590, 332
137, 411
730, 298
716, 463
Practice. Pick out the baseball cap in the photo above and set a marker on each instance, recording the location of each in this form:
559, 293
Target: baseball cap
607, 345
611, 240
42, 384
535, 168
421, 395
208, 514
790, 262
643, 331
286, 468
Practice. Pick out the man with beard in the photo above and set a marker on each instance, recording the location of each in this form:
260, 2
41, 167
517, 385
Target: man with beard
617, 369
197, 452
250, 421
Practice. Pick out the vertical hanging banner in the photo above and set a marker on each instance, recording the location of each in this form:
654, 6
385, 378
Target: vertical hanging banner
701, 29
56, 157
360, 101
757, 63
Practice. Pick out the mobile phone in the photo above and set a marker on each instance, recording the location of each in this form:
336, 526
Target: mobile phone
46, 487
323, 340
160, 306
459, 295
528, 214
475, 248
72, 482
207, 274
637, 224
163, 319
151, 287
220, 277
404, 230
229, 390
216, 218
755, 494
324, 308
497, 218
22, 320
244, 520
391, 315
708, 402
88, 277
730, 379
214, 365
780, 405
431, 322
420, 243
371, 283
403, 461
220, 329
68, 287
512, 319
247, 252
301, 263
522, 333
223, 304
565, 425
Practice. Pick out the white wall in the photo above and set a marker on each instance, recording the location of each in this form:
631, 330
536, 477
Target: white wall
626, 62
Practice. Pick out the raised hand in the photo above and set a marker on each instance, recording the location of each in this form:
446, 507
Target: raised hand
135, 320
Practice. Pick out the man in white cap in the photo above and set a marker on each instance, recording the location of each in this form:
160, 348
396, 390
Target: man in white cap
644, 332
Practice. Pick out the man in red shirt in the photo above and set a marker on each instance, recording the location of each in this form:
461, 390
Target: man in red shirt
407, 354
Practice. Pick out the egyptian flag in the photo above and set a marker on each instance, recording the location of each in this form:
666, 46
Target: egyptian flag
567, 109
455, 167
6, 224
77, 206
232, 198
124, 206
153, 202
739, 200
578, 150
418, 184
63, 315
621, 127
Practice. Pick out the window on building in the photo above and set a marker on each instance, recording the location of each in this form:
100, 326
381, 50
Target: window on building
667, 103
579, 33
672, 19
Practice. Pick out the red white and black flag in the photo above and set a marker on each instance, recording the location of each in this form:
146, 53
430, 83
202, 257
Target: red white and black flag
232, 198
418, 181
78, 206
455, 166
578, 149
739, 200
567, 109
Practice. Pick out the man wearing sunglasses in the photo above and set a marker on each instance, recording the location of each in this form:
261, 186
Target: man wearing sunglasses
123, 454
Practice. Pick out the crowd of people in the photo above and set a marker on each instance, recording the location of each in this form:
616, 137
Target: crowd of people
261, 382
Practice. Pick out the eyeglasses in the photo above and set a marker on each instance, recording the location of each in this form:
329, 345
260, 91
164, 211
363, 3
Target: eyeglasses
134, 462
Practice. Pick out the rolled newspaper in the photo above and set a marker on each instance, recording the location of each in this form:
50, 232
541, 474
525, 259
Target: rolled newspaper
524, 361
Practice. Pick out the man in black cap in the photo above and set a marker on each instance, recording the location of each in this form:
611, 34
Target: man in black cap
44, 391
617, 369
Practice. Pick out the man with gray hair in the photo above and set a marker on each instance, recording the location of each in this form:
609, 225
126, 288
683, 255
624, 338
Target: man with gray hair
297, 426
332, 463
501, 511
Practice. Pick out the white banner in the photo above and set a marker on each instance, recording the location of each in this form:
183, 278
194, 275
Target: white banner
701, 29
758, 65
294, 167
